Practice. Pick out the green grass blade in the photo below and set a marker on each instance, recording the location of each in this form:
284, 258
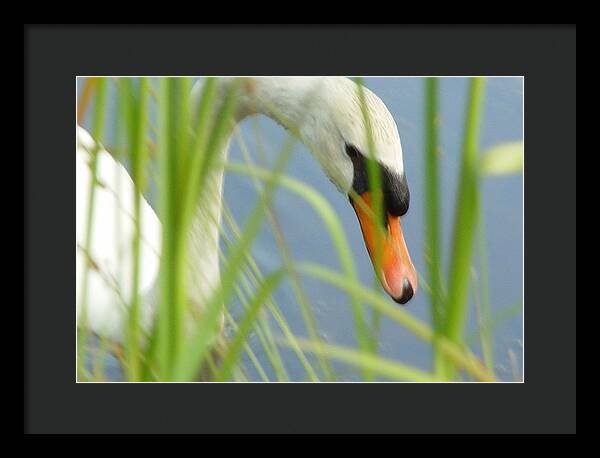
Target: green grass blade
246, 324
334, 229
369, 362
244, 289
484, 308
97, 134
465, 220
167, 213
137, 135
181, 137
190, 360
305, 308
497, 319
375, 318
454, 353
248, 350
375, 191
374, 177
256, 277
433, 251
503, 159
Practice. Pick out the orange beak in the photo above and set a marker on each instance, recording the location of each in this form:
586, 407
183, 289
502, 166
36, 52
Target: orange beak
391, 260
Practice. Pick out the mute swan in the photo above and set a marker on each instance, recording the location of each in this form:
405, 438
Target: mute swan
327, 114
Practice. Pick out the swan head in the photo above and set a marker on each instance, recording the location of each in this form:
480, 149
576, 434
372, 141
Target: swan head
331, 116
327, 114
352, 157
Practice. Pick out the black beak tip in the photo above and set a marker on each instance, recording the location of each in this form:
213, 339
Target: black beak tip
407, 293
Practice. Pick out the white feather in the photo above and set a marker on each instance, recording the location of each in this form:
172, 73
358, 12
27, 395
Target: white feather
110, 281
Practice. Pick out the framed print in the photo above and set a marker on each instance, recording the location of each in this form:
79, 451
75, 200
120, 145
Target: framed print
301, 237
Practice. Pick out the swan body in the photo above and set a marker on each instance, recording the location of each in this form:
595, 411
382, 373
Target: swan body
110, 273
327, 117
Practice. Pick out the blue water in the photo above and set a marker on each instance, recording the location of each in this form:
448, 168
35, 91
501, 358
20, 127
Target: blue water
307, 238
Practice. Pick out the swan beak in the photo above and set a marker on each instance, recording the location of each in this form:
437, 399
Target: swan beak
396, 272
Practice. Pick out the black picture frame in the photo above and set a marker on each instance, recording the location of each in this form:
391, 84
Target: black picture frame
545, 56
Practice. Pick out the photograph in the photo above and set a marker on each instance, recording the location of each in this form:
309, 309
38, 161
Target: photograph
299, 229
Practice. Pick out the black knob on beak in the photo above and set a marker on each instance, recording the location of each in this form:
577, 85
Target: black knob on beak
407, 292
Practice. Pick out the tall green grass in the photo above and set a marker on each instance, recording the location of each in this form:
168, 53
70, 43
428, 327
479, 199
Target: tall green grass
184, 345
97, 130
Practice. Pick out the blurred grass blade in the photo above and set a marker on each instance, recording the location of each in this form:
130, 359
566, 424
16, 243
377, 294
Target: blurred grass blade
137, 135
375, 194
484, 308
465, 220
374, 177
186, 164
97, 134
307, 312
85, 98
235, 347
503, 159
497, 319
256, 276
172, 274
367, 362
181, 138
433, 247
335, 230
462, 358
190, 361
249, 280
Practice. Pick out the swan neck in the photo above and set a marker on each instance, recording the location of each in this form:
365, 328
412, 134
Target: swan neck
203, 242
284, 101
